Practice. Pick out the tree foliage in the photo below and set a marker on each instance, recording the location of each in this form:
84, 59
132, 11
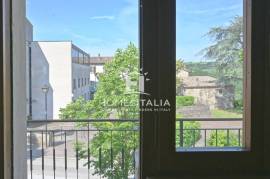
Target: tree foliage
227, 52
74, 110
179, 66
113, 147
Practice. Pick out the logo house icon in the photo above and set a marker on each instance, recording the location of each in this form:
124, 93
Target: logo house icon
142, 80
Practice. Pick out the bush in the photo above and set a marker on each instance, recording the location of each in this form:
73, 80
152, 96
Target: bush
184, 101
190, 136
222, 137
238, 104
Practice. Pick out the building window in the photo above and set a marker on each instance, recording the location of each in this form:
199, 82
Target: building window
82, 82
74, 84
93, 69
220, 91
79, 83
74, 55
80, 58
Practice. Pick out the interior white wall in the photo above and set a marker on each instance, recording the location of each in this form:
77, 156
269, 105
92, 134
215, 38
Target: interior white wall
29, 39
19, 89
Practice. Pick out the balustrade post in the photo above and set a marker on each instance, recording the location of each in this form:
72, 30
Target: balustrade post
181, 128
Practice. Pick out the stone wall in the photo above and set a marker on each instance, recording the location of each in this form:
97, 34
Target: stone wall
213, 97
204, 96
225, 99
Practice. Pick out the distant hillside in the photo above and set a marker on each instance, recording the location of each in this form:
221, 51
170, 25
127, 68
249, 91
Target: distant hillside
201, 69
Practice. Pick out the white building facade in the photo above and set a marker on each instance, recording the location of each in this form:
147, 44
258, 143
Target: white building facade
63, 69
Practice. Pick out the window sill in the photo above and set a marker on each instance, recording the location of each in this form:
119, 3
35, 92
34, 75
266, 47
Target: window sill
212, 149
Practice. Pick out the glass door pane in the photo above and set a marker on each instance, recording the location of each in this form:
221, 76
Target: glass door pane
82, 88
209, 74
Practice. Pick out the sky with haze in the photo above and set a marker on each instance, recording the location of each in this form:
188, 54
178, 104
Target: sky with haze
102, 26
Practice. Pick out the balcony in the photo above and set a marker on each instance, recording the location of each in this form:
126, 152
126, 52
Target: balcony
98, 149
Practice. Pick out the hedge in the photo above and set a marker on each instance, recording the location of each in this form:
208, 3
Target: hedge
191, 133
238, 104
223, 139
184, 101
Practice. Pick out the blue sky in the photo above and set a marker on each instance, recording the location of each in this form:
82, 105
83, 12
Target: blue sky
102, 26
195, 18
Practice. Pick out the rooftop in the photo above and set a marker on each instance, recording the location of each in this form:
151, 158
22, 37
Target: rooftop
199, 81
100, 60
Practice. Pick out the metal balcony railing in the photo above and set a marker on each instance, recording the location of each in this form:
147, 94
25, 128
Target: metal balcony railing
208, 132
108, 148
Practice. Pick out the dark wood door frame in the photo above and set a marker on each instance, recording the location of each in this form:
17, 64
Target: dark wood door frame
6, 159
157, 129
157, 40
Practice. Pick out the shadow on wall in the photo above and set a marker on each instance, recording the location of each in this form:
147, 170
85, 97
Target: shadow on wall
225, 98
40, 78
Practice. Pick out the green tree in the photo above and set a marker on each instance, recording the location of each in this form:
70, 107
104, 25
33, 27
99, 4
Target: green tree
113, 147
117, 85
227, 52
179, 66
74, 110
